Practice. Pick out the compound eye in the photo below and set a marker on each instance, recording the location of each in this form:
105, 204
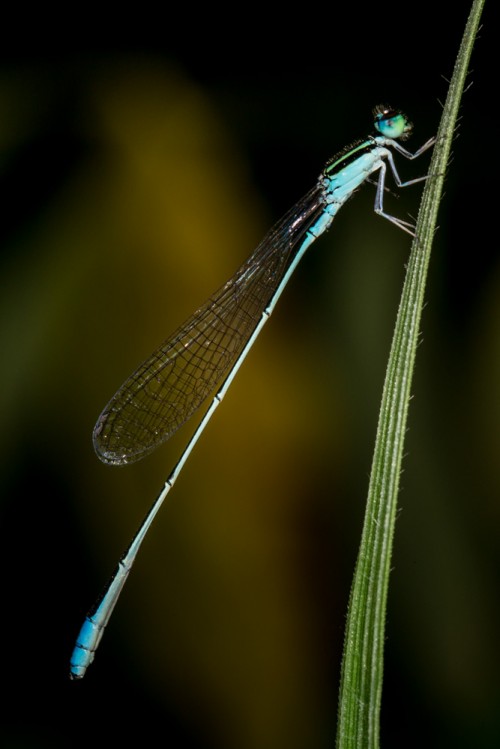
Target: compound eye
391, 123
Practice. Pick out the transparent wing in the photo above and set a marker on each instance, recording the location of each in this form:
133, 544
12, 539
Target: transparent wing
173, 382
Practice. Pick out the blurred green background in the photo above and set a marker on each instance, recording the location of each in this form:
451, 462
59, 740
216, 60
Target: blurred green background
142, 161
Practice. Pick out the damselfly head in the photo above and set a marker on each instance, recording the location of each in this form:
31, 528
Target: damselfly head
391, 123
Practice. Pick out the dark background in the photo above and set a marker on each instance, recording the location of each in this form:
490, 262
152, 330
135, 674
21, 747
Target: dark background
143, 157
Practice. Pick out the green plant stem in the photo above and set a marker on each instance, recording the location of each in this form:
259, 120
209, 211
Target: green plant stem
362, 666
